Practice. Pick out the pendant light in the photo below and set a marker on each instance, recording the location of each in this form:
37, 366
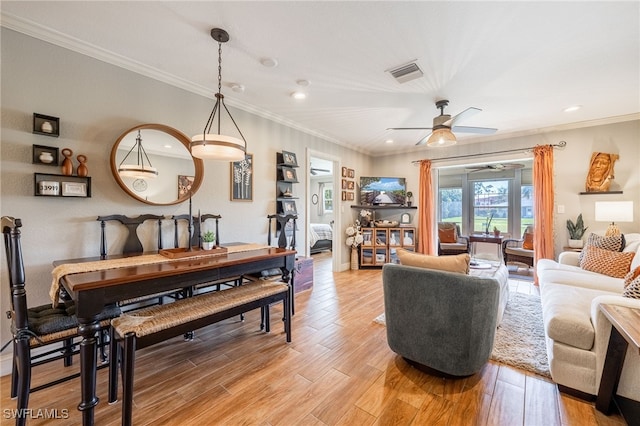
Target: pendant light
140, 170
217, 146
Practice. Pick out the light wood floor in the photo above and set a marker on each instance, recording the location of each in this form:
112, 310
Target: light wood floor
337, 371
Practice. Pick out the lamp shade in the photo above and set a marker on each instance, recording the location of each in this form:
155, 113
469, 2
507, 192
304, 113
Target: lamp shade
218, 147
442, 137
614, 211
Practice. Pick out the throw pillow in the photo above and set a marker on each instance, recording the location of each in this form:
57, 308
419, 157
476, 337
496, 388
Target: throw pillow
632, 275
612, 242
528, 241
633, 289
447, 235
606, 262
458, 263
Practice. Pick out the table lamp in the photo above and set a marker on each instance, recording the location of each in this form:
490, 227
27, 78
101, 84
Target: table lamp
614, 211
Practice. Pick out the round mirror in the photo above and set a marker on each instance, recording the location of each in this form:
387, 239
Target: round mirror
156, 148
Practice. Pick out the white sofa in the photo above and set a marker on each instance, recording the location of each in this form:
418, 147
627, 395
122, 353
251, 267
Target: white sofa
577, 333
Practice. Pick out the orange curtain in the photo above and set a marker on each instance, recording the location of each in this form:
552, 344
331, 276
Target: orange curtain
543, 197
425, 210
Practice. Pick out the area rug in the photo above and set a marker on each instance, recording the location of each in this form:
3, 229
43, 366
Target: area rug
519, 340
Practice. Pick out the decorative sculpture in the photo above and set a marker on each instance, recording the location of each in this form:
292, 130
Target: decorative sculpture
600, 172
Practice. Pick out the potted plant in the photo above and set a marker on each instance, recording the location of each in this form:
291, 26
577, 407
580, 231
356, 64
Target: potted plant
409, 197
496, 231
208, 240
576, 232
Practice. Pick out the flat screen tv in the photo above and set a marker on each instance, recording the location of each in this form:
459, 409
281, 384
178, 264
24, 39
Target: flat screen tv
377, 191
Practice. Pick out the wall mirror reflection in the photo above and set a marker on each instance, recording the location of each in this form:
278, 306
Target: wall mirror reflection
152, 163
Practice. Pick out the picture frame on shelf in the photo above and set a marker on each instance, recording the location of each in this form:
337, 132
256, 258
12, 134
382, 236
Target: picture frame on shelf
289, 175
184, 185
405, 218
351, 173
46, 125
242, 179
47, 155
345, 172
74, 189
289, 159
289, 207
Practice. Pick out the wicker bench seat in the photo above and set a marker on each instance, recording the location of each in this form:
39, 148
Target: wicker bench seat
147, 326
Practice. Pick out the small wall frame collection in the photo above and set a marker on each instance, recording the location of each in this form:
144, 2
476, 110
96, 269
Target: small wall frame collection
348, 184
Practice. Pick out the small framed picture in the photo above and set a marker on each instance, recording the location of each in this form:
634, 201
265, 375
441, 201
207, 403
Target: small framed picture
242, 179
289, 175
289, 159
344, 195
184, 185
350, 196
289, 207
45, 155
345, 184
345, 172
351, 185
351, 173
405, 218
46, 125
74, 189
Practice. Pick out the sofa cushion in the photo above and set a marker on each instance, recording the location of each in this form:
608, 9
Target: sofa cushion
566, 311
632, 275
612, 243
458, 263
611, 263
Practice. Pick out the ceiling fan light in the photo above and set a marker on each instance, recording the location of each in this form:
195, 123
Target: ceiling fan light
441, 137
218, 147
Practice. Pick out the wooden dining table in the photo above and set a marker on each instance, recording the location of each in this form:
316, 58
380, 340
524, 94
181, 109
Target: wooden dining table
92, 291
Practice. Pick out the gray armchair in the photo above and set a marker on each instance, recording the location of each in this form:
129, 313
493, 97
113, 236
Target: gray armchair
440, 320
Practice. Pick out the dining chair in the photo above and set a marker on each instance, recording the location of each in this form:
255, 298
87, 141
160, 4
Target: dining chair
197, 221
53, 331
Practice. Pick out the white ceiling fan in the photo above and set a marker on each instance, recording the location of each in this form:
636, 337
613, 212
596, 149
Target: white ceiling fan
444, 125
314, 171
496, 167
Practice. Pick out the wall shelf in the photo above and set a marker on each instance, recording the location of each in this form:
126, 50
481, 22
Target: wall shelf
601, 193
50, 185
385, 207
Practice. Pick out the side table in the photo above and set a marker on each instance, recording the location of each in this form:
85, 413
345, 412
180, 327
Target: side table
486, 238
625, 331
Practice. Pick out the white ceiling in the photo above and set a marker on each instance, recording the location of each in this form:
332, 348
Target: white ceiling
523, 63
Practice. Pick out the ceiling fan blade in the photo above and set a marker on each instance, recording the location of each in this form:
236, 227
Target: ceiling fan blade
469, 112
480, 130
409, 128
424, 140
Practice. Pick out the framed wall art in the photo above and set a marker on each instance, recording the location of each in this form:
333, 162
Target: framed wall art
350, 196
351, 185
242, 179
345, 172
184, 185
345, 184
344, 195
289, 159
351, 173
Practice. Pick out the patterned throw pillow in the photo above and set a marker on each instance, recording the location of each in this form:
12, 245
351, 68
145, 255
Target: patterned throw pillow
612, 243
633, 289
528, 241
612, 263
632, 275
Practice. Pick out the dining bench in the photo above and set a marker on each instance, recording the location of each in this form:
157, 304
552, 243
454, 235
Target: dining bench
154, 324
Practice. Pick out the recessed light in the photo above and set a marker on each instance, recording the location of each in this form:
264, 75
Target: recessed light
389, 141
299, 95
239, 88
269, 62
572, 108
168, 146
302, 83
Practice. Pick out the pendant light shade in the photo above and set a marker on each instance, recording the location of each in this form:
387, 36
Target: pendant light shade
441, 137
140, 170
215, 146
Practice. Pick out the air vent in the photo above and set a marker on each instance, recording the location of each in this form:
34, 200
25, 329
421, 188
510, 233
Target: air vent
406, 72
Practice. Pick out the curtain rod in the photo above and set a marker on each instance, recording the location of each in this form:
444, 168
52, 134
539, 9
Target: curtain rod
560, 145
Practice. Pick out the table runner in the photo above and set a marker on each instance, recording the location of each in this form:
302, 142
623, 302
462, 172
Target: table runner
146, 259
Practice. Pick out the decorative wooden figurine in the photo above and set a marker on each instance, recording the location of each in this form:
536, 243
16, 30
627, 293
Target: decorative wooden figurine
67, 164
82, 167
600, 172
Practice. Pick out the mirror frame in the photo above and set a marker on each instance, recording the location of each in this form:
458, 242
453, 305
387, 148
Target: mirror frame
184, 139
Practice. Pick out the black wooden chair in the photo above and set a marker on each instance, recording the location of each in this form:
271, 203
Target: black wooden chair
39, 327
196, 236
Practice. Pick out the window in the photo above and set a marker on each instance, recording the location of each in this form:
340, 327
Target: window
327, 200
490, 205
450, 203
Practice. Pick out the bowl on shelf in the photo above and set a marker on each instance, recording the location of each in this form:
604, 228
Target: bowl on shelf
385, 223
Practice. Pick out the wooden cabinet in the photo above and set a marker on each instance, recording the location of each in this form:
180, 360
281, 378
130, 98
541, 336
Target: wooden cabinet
380, 245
